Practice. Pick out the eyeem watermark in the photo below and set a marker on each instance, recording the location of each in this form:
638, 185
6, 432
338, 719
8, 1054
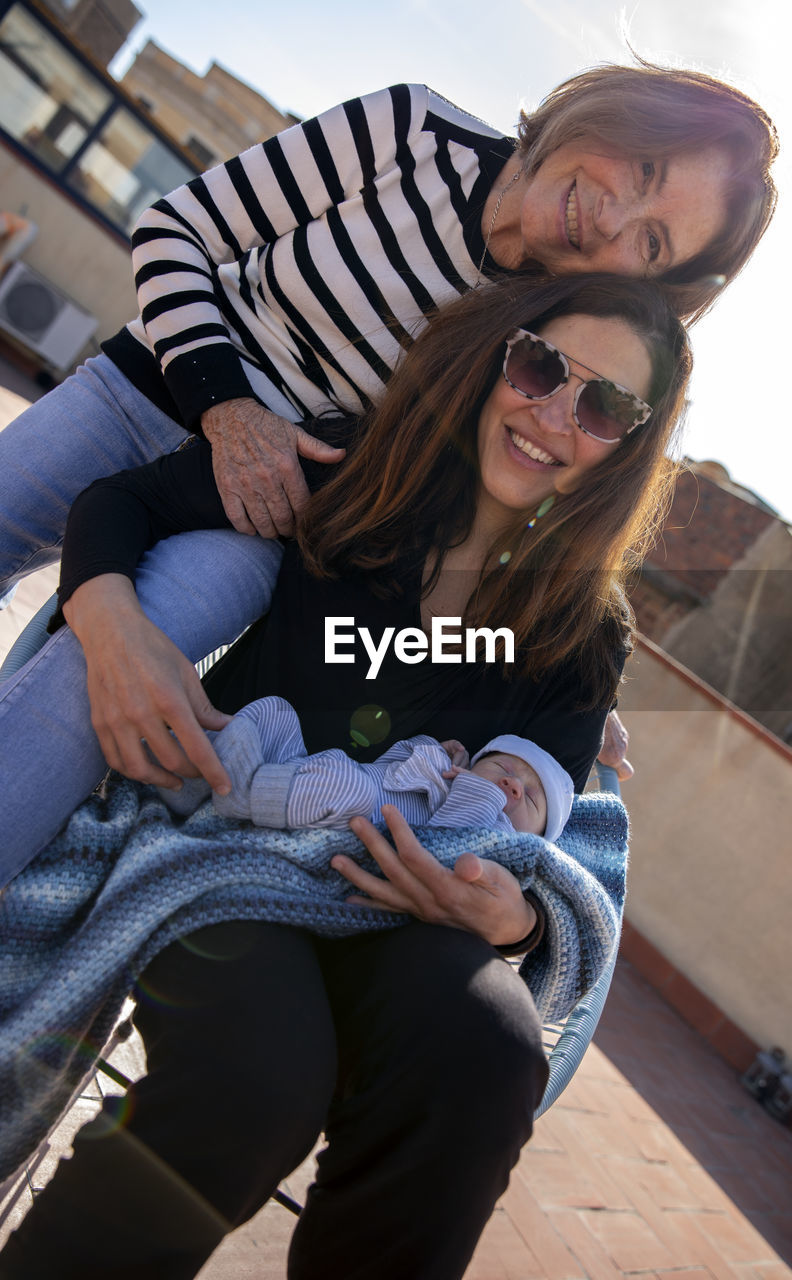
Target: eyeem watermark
447, 643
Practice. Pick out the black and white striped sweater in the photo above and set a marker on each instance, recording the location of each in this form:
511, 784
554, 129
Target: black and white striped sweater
297, 271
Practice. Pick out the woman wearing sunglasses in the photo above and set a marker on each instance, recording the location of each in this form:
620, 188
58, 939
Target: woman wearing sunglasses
510, 473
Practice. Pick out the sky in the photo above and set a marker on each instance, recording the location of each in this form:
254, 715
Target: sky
493, 59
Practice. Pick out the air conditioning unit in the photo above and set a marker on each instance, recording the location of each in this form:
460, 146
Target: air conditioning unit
37, 314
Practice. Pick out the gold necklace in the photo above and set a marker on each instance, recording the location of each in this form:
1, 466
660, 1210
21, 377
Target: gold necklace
514, 178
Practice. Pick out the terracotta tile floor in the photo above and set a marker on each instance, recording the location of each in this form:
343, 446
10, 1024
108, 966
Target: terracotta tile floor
655, 1161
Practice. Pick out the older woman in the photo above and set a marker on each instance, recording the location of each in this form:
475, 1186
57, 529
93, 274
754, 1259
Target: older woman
291, 279
508, 475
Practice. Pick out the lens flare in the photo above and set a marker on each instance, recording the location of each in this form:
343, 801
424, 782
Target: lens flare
369, 725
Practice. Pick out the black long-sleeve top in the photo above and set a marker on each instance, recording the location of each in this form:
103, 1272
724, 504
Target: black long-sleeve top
113, 523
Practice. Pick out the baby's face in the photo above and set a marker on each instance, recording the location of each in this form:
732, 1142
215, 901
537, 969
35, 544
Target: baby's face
526, 805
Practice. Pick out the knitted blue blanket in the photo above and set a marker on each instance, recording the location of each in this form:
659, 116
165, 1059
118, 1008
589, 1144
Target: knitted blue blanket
125, 878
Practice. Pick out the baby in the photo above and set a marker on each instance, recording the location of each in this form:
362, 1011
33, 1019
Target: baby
510, 783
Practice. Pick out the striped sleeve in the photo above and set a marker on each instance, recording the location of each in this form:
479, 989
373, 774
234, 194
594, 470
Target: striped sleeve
472, 802
326, 791
271, 191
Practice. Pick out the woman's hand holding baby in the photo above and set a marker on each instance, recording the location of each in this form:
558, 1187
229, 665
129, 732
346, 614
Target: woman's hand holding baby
478, 895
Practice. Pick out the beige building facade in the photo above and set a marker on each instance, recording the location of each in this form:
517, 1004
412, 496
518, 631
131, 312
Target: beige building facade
213, 116
90, 264
100, 27
81, 161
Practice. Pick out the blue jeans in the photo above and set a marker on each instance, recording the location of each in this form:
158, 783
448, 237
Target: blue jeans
202, 589
93, 424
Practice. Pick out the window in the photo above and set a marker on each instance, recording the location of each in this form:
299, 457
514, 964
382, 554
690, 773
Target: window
203, 155
126, 169
48, 101
72, 121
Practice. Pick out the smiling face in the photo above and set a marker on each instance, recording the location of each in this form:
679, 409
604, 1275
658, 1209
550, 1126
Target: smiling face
526, 806
530, 449
587, 211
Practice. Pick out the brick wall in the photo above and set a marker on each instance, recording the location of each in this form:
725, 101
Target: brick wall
715, 594
708, 530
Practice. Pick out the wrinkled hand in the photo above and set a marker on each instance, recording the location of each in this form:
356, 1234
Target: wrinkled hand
255, 457
614, 748
140, 688
478, 895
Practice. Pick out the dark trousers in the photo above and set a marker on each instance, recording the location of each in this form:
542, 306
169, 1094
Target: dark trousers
417, 1051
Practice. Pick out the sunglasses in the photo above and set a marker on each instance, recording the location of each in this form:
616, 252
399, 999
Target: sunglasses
604, 410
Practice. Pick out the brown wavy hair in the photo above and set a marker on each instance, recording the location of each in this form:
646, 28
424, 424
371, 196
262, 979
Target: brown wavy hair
410, 484
653, 112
